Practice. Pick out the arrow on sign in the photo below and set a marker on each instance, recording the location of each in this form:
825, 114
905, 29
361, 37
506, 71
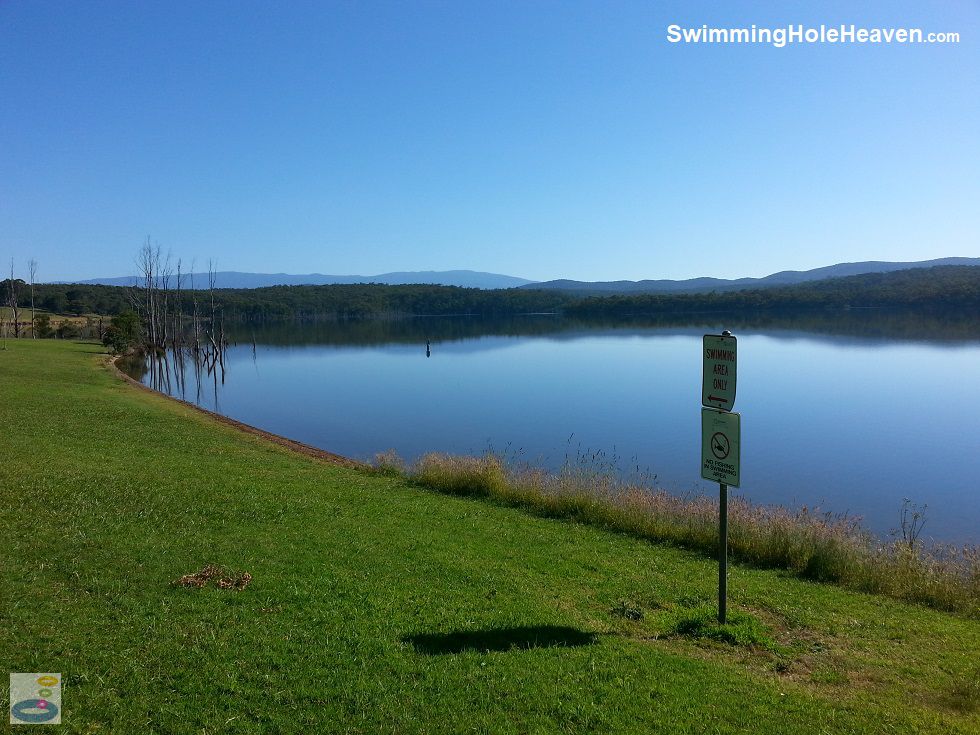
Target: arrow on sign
716, 398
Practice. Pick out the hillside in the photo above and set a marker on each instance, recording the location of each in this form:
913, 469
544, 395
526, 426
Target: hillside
236, 279
706, 285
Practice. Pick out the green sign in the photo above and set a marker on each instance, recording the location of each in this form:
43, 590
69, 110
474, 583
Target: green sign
720, 446
718, 372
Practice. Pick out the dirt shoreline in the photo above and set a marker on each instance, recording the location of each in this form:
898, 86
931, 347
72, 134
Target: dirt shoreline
282, 441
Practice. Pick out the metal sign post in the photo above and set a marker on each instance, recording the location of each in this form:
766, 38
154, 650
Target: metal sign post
721, 439
722, 552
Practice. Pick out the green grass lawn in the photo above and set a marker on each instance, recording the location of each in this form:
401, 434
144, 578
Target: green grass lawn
378, 607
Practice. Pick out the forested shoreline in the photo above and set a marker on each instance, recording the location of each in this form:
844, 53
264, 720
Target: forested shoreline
942, 287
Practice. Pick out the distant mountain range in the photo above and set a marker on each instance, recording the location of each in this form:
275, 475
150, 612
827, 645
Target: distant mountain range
705, 285
476, 279
235, 279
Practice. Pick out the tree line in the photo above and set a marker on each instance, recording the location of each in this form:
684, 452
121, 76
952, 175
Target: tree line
168, 309
293, 302
937, 287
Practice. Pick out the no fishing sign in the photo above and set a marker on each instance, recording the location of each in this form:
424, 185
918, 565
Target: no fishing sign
720, 444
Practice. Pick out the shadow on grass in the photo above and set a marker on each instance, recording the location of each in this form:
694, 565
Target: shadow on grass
499, 639
99, 347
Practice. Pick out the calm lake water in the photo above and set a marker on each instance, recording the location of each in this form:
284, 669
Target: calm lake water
851, 412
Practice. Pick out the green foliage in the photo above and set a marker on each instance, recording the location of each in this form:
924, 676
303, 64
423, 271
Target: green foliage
942, 286
42, 326
308, 302
123, 333
114, 341
364, 300
53, 299
67, 330
78, 302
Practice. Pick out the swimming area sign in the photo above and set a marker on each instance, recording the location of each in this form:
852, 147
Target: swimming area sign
718, 373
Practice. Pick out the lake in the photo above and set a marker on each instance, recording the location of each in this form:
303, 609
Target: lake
850, 411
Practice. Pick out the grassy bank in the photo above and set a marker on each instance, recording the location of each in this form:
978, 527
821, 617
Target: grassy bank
372, 605
815, 546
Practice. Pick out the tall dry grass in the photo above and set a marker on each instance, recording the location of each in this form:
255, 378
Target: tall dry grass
816, 546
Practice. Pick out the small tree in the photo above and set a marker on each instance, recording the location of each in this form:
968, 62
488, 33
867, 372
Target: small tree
123, 333
42, 326
67, 330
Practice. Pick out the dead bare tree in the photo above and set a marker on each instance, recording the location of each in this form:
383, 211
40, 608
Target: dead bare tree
178, 317
13, 301
159, 300
211, 282
165, 272
215, 330
155, 304
147, 260
32, 267
197, 324
211, 324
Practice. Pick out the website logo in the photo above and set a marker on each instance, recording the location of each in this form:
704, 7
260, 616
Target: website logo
35, 699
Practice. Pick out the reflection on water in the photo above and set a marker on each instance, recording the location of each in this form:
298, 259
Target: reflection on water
934, 326
181, 372
849, 411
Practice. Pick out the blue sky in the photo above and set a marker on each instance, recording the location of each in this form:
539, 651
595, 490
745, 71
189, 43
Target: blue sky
539, 139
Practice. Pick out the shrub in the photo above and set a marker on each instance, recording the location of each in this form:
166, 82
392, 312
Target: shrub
42, 326
123, 333
67, 330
